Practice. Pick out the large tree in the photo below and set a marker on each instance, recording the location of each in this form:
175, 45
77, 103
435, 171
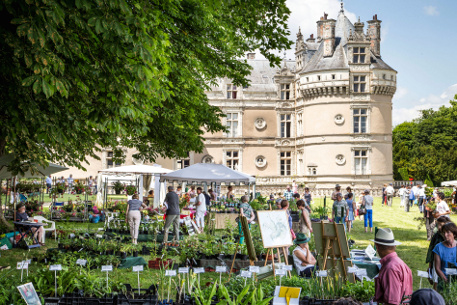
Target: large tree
77, 75
427, 147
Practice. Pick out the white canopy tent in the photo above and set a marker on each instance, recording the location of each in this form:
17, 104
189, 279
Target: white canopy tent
142, 175
207, 173
449, 183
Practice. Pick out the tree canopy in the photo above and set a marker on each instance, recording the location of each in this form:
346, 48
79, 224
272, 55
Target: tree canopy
79, 75
427, 147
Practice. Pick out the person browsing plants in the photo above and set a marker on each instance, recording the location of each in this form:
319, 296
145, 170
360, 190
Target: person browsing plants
245, 211
340, 210
201, 209
133, 216
367, 209
445, 253
172, 209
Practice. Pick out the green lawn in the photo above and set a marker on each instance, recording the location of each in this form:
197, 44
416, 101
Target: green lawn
412, 251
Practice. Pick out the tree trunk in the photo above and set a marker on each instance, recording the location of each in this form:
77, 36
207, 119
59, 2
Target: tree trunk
3, 221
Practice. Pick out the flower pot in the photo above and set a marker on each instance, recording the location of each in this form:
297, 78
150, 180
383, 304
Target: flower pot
135, 253
123, 255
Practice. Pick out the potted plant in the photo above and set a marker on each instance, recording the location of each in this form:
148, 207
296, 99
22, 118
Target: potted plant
130, 189
118, 187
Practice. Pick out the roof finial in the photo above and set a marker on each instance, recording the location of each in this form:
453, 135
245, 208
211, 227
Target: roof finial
342, 6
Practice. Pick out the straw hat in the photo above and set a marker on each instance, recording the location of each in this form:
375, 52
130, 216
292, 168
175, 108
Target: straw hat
385, 237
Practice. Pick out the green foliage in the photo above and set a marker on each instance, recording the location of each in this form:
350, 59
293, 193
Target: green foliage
425, 149
78, 76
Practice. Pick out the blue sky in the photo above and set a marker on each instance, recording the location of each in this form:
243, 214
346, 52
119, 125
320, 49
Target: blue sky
419, 40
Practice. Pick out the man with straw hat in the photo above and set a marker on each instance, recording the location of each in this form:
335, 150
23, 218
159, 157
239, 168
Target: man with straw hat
395, 280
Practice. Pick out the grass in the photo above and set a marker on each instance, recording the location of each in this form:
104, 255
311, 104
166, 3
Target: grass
413, 249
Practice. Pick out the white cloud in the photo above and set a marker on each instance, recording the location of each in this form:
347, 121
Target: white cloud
400, 115
431, 10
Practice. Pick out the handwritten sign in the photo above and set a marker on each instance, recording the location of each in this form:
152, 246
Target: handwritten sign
322, 273
137, 268
55, 267
81, 262
254, 269
183, 270
170, 272
422, 273
280, 272
221, 269
107, 268
199, 270
246, 274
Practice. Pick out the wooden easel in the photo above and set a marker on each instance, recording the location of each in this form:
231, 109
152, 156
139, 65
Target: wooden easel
249, 244
329, 243
286, 259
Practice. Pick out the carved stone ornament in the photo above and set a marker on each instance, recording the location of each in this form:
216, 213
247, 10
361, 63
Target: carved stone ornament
340, 159
339, 119
285, 143
260, 161
260, 123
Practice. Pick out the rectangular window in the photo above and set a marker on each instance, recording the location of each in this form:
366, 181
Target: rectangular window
286, 122
360, 120
231, 91
333, 76
232, 159
232, 125
300, 124
285, 92
358, 55
360, 161
109, 160
312, 170
359, 83
286, 163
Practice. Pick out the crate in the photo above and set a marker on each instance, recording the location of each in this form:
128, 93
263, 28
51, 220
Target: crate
160, 264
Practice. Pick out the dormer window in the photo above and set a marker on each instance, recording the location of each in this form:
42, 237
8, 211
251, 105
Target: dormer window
285, 91
231, 91
358, 55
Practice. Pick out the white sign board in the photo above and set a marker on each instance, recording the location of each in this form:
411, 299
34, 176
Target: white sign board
450, 271
107, 268
22, 265
254, 269
183, 270
170, 272
280, 272
246, 274
137, 268
55, 267
199, 270
81, 262
221, 269
322, 273
287, 267
274, 226
422, 273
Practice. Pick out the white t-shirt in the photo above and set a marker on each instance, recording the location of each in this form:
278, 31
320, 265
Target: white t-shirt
442, 207
401, 191
420, 192
297, 261
202, 206
390, 191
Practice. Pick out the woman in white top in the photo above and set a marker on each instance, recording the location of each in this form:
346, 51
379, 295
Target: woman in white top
442, 209
304, 260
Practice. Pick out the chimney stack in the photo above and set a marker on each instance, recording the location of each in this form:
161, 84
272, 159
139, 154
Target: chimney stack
374, 33
311, 38
320, 27
328, 36
359, 27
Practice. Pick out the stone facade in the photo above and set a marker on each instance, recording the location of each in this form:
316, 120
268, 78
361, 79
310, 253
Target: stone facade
322, 119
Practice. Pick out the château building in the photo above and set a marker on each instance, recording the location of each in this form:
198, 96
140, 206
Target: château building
322, 119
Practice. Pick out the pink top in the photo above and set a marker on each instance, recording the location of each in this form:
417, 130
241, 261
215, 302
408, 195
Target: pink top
394, 281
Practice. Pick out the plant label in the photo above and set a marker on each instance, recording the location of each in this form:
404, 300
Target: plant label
107, 268
29, 261
280, 272
183, 270
450, 271
254, 269
55, 267
137, 268
170, 272
361, 272
221, 269
246, 274
81, 262
287, 267
199, 270
352, 269
422, 273
322, 273
100, 229
98, 235
22, 265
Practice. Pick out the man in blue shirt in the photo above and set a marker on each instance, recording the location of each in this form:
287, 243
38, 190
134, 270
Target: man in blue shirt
288, 194
48, 183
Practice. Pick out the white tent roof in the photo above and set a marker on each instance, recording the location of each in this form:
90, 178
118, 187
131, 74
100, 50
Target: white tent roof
208, 172
449, 183
136, 169
42, 171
